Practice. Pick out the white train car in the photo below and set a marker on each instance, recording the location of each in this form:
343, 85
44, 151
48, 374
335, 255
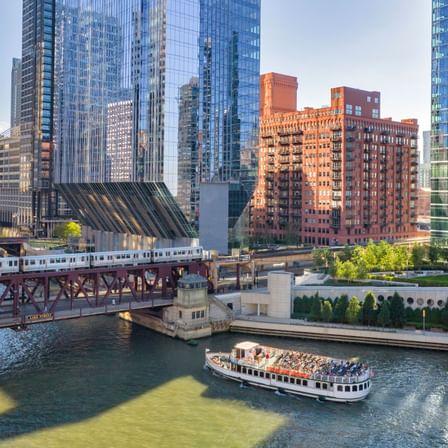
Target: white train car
59, 262
9, 265
120, 258
177, 254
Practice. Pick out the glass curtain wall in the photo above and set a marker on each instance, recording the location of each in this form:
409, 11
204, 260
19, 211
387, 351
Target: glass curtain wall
179, 82
439, 124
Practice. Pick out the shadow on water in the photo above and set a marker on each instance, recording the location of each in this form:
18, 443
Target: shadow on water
69, 372
58, 374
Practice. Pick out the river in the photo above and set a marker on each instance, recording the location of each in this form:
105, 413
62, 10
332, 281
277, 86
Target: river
102, 382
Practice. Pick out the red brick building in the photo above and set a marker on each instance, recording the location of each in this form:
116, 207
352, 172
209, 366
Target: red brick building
334, 175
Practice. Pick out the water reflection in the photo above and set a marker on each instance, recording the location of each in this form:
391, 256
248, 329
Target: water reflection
102, 379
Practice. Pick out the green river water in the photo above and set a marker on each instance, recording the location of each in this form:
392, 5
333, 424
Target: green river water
102, 382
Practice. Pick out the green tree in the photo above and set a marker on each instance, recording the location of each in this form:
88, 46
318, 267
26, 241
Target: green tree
369, 309
434, 253
418, 254
67, 230
384, 315
322, 257
444, 315
397, 311
316, 308
353, 311
340, 308
370, 256
327, 311
359, 261
346, 253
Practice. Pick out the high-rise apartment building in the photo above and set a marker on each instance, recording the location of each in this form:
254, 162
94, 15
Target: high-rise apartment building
439, 123
16, 88
334, 175
189, 70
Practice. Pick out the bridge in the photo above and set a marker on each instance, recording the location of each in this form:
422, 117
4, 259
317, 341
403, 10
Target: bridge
31, 298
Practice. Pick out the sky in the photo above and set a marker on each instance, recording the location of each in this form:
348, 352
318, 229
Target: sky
380, 45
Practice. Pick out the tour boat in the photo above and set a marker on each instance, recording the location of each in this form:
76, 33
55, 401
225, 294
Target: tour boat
293, 372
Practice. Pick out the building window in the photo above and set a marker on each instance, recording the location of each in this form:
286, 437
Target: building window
180, 314
358, 111
348, 109
369, 99
377, 100
375, 113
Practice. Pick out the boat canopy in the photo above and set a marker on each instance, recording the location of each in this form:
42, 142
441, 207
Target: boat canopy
246, 345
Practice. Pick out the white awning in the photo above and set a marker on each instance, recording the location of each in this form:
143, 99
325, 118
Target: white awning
247, 345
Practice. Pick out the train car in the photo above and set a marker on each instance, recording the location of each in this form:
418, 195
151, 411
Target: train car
9, 265
177, 254
57, 262
120, 258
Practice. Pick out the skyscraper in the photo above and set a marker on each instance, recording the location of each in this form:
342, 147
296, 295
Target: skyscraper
439, 123
37, 89
153, 54
16, 83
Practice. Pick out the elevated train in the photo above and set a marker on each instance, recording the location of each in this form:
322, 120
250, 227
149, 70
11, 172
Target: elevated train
66, 262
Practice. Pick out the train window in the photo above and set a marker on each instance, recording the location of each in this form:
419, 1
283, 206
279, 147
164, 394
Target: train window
51, 260
32, 262
10, 263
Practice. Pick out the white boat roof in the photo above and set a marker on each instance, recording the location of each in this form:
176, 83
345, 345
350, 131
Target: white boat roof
246, 345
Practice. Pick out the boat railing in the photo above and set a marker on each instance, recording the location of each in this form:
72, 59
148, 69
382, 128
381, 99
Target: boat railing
342, 379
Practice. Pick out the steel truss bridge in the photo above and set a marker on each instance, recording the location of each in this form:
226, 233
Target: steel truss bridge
32, 298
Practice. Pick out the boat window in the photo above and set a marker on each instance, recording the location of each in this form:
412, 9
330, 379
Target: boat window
261, 374
339, 388
244, 369
317, 385
279, 378
368, 383
305, 383
355, 389
249, 371
298, 381
268, 375
273, 376
361, 386
255, 372
291, 380
325, 386
347, 388
238, 368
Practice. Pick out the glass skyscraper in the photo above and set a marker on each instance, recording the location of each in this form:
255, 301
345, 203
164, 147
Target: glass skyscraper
439, 122
185, 72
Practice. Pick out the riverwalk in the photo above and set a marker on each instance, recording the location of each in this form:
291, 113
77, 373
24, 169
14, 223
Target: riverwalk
340, 333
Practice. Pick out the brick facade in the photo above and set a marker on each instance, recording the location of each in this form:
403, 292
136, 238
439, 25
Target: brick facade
333, 175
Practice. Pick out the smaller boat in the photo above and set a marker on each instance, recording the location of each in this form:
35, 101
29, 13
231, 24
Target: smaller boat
292, 372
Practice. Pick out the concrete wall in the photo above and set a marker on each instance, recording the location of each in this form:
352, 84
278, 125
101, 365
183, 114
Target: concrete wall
214, 217
415, 297
275, 301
